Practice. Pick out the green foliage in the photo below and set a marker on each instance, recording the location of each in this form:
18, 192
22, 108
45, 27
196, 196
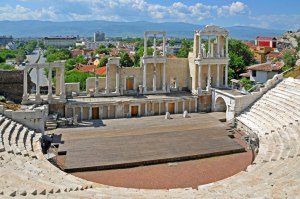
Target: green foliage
103, 50
240, 57
298, 44
20, 55
70, 63
30, 46
54, 54
6, 67
103, 61
6, 54
140, 52
77, 76
246, 83
111, 45
185, 48
136, 60
126, 61
289, 60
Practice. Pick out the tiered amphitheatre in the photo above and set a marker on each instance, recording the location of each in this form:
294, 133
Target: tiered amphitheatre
275, 173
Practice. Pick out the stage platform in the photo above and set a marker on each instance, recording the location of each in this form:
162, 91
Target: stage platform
120, 143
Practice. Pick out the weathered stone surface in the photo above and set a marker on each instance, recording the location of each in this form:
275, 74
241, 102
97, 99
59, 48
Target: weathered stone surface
11, 85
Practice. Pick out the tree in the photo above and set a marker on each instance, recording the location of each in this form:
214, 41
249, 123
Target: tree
110, 45
136, 60
55, 54
103, 51
240, 57
126, 60
20, 55
70, 63
289, 60
103, 61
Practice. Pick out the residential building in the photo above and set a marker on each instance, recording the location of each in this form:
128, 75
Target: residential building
263, 72
266, 41
99, 36
60, 42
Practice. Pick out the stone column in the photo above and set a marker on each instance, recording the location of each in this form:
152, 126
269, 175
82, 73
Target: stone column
50, 83
176, 106
81, 113
199, 78
158, 108
164, 44
96, 84
38, 94
90, 113
200, 43
164, 78
154, 46
208, 86
106, 80
209, 46
227, 47
146, 111
145, 44
183, 105
117, 79
154, 78
218, 75
25, 86
196, 105
101, 112
218, 46
195, 44
62, 84
145, 78
226, 75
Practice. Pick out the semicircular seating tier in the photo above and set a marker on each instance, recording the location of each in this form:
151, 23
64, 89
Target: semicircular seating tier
275, 173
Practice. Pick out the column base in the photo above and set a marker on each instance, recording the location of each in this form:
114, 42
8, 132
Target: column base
38, 98
107, 91
25, 97
145, 89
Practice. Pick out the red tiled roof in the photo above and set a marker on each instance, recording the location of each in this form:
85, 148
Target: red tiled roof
172, 56
101, 70
277, 55
267, 66
247, 74
259, 38
249, 44
91, 69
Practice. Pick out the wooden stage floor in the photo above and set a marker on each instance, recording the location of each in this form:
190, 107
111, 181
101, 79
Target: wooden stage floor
131, 142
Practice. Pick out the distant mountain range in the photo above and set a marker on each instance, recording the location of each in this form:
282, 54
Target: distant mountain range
35, 28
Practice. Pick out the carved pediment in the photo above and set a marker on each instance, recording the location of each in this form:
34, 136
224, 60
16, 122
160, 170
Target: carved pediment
214, 30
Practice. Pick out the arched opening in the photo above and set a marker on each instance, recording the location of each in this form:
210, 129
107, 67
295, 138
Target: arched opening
220, 105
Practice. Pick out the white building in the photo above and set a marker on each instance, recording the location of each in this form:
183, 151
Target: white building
60, 42
263, 72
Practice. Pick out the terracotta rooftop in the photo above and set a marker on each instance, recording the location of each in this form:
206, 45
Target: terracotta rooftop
273, 54
265, 38
267, 66
247, 74
91, 69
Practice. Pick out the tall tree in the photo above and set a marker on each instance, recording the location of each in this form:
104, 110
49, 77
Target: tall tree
240, 57
126, 60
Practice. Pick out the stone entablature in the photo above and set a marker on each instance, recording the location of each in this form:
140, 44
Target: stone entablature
110, 108
60, 83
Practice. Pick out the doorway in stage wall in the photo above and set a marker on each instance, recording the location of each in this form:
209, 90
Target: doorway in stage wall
171, 108
134, 111
95, 113
129, 83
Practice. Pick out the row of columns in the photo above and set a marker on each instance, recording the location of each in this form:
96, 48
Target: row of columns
220, 52
154, 77
101, 108
208, 86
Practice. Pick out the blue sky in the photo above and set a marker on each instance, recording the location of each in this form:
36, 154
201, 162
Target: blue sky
276, 14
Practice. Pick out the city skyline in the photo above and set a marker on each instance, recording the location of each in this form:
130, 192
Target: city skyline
263, 14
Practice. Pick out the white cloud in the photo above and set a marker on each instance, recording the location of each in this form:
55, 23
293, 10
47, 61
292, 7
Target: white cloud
22, 13
120, 10
291, 22
233, 9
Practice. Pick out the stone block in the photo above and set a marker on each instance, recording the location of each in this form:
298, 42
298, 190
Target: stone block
168, 115
185, 114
